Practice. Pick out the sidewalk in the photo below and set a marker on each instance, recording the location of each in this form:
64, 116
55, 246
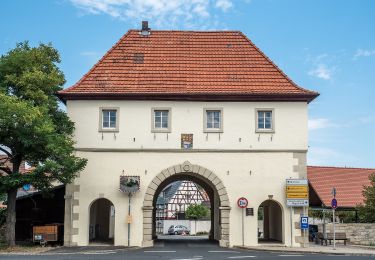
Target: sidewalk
317, 249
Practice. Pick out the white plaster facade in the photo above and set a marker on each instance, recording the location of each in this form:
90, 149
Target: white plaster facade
245, 163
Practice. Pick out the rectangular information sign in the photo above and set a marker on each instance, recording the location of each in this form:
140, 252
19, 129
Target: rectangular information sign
292, 195
297, 203
297, 188
297, 192
304, 222
296, 182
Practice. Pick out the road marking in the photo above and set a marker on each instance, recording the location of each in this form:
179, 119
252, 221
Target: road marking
235, 252
159, 251
241, 256
99, 253
291, 255
187, 258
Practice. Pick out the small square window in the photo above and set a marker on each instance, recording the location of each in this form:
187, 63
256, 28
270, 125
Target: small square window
161, 120
213, 121
264, 120
108, 120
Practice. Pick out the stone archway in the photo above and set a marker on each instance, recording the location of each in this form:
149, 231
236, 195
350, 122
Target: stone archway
272, 222
101, 221
187, 169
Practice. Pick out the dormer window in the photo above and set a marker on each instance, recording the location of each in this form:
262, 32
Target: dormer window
108, 120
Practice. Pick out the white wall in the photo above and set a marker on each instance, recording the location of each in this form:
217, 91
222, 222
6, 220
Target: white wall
187, 117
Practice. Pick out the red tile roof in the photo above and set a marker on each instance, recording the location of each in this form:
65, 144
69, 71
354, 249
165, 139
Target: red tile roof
186, 65
348, 182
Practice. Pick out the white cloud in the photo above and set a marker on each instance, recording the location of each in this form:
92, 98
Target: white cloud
224, 4
320, 123
160, 13
363, 53
322, 71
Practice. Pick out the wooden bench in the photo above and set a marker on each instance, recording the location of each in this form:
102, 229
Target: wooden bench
338, 236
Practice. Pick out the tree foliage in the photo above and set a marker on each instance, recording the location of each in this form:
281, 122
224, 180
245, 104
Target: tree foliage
196, 211
367, 211
32, 127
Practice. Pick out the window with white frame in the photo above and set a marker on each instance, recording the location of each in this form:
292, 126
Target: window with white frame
265, 120
161, 120
108, 119
213, 120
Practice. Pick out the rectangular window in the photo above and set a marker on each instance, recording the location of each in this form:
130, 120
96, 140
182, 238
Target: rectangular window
213, 120
161, 120
108, 119
265, 120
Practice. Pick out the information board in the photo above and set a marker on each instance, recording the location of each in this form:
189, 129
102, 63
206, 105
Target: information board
297, 193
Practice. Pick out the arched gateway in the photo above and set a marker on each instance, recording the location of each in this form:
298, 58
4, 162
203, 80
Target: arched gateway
208, 180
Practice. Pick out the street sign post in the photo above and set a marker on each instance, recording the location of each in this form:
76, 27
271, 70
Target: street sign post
242, 204
334, 203
334, 206
304, 222
297, 195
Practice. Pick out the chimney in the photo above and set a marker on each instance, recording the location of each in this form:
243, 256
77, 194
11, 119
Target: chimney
145, 30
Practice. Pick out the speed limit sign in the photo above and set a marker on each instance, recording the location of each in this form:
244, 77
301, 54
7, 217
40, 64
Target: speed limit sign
242, 202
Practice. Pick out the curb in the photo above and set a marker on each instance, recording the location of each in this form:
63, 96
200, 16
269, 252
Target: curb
306, 252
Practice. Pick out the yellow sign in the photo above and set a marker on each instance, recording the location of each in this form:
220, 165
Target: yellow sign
297, 189
294, 195
129, 219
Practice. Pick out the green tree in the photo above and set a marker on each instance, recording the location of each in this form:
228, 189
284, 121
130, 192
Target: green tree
32, 127
196, 211
367, 211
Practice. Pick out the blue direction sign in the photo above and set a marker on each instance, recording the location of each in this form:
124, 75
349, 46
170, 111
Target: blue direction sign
304, 222
334, 203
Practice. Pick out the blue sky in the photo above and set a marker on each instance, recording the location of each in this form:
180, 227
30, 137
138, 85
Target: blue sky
327, 46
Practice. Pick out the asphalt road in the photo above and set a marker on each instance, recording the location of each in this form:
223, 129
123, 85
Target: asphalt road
171, 250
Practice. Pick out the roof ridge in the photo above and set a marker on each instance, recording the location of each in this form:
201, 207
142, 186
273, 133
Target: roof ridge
204, 31
274, 64
341, 167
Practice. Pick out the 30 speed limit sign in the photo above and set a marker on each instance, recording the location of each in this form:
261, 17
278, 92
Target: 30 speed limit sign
242, 202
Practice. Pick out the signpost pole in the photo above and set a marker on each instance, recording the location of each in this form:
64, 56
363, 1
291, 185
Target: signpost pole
291, 226
243, 229
242, 204
334, 233
334, 206
129, 221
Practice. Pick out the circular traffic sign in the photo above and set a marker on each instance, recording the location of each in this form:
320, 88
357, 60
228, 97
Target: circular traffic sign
242, 202
334, 203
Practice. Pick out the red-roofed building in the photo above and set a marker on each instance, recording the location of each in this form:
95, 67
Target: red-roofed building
166, 106
349, 183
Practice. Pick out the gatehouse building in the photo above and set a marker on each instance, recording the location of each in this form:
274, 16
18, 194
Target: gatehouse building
201, 106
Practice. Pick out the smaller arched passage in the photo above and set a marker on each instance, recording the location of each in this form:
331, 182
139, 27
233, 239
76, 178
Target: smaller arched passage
102, 221
270, 224
204, 177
